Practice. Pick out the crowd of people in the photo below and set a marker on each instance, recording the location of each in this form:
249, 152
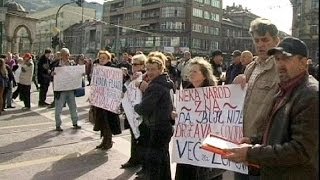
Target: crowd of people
280, 113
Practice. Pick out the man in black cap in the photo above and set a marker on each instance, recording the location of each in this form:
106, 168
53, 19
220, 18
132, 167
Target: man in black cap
217, 64
44, 76
288, 148
235, 68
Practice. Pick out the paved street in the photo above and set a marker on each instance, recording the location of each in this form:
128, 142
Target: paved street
31, 149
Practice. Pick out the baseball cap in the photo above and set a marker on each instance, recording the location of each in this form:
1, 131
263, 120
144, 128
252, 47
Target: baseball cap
27, 55
236, 53
290, 46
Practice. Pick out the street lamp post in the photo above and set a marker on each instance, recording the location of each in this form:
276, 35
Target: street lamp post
55, 39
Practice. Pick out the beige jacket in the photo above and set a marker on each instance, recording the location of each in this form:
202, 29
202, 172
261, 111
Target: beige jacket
26, 74
259, 98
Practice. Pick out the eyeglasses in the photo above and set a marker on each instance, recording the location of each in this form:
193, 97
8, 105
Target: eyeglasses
136, 64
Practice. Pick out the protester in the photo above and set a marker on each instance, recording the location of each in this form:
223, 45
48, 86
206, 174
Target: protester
235, 68
54, 62
35, 74
62, 97
311, 68
262, 82
138, 69
25, 80
170, 69
3, 80
288, 148
10, 64
217, 65
246, 58
106, 122
182, 78
155, 108
44, 77
200, 75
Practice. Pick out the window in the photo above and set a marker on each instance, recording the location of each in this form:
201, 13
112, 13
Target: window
314, 29
173, 26
214, 31
206, 29
149, 42
315, 4
183, 1
214, 45
166, 41
215, 17
197, 12
184, 42
206, 15
197, 28
157, 41
199, 1
215, 3
175, 41
173, 12
207, 2
196, 43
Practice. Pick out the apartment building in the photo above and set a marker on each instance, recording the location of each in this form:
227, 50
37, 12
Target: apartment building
68, 15
305, 24
164, 25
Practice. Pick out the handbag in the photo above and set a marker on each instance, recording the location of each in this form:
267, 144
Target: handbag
80, 91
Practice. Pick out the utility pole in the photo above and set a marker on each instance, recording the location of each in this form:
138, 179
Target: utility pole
117, 40
2, 19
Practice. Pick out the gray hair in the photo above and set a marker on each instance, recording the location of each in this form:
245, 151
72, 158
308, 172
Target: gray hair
261, 26
64, 51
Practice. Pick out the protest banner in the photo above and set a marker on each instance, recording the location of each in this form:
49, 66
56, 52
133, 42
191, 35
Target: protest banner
106, 88
131, 97
68, 77
203, 111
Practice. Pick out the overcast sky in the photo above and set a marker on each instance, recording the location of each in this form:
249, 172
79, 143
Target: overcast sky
278, 11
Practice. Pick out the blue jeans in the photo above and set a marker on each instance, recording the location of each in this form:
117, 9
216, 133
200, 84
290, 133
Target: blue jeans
69, 98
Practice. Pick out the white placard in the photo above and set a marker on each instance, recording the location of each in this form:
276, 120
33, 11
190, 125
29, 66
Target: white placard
132, 96
203, 111
106, 88
68, 77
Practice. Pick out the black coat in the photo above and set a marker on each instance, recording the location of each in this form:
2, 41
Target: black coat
107, 117
156, 105
43, 74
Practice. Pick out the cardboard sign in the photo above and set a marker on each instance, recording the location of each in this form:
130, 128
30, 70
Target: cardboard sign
132, 96
204, 111
68, 77
106, 88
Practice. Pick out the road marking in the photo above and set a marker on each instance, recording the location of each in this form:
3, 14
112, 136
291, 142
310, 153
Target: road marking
25, 125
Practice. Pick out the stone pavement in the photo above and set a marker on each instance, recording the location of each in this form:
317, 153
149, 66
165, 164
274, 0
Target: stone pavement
31, 149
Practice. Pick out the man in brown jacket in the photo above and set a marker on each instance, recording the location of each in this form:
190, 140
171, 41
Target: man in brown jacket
260, 76
288, 147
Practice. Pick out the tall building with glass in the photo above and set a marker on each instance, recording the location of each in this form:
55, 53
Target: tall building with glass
164, 25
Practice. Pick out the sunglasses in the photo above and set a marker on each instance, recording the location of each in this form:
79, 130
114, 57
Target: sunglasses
136, 64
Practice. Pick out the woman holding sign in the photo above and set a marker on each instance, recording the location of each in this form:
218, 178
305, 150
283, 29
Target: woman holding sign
138, 68
106, 122
200, 75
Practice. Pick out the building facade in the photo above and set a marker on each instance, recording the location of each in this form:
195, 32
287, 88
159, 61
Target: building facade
46, 26
85, 38
164, 25
305, 24
235, 29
